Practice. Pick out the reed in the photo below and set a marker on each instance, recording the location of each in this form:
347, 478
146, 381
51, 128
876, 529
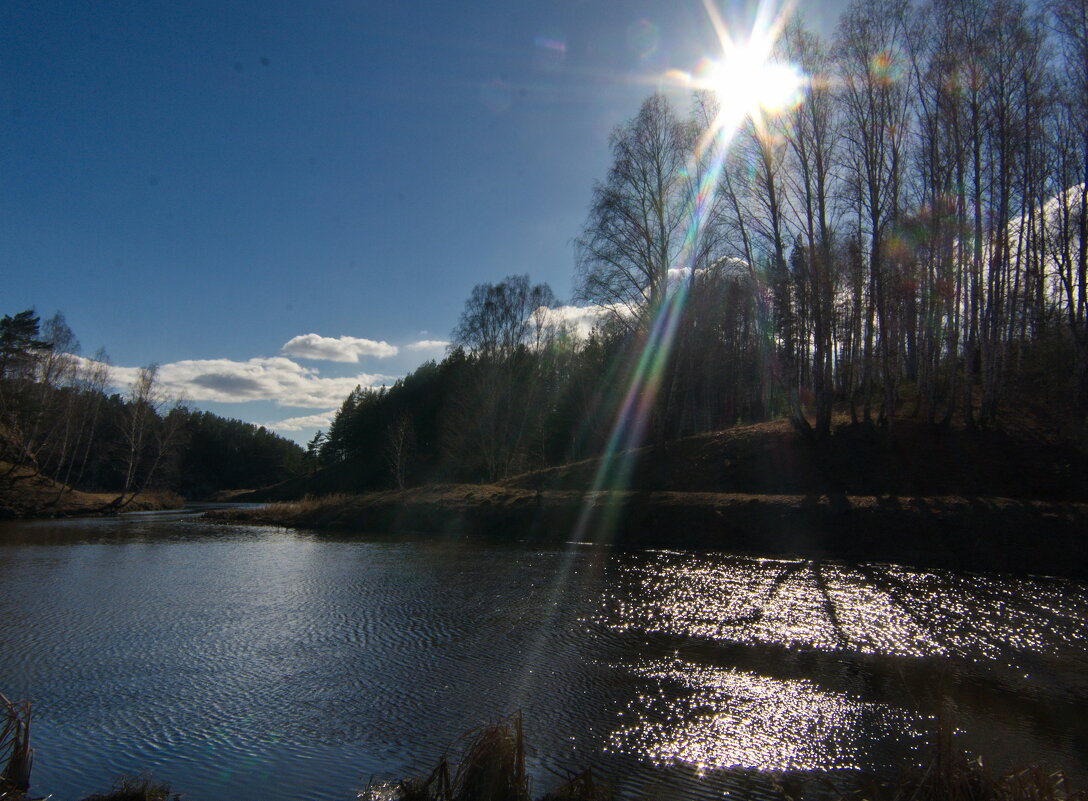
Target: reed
16, 755
306, 507
952, 775
491, 768
136, 788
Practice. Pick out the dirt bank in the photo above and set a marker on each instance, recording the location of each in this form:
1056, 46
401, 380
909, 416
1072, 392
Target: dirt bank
971, 533
23, 495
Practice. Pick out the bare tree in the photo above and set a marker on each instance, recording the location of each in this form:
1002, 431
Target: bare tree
635, 228
872, 59
813, 135
150, 432
1071, 165
401, 442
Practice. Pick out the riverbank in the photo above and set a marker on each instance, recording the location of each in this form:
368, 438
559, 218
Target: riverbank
965, 533
23, 495
1011, 500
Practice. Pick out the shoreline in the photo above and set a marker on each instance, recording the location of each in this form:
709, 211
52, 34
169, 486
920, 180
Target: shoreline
85, 504
947, 531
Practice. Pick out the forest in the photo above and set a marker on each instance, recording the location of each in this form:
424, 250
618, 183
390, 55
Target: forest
906, 239
58, 422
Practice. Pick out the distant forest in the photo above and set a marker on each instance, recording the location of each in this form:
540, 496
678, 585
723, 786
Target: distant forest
908, 239
57, 421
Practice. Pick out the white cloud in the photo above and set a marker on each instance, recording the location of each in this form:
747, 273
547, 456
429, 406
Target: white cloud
319, 420
428, 344
729, 267
580, 320
340, 349
261, 379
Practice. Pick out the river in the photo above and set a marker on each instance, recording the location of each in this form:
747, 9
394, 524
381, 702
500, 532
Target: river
256, 663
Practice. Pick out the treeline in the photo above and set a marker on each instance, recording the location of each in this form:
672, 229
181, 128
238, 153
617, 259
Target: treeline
908, 237
57, 420
915, 220
517, 391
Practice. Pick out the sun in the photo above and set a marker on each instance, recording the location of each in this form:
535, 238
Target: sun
747, 82
749, 79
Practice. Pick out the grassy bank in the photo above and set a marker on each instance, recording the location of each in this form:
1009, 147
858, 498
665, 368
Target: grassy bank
25, 495
1011, 500
1000, 534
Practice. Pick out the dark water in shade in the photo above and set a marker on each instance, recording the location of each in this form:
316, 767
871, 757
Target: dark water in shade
262, 663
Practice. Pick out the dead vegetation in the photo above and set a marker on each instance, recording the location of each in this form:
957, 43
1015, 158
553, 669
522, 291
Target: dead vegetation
136, 788
16, 755
491, 768
953, 775
24, 493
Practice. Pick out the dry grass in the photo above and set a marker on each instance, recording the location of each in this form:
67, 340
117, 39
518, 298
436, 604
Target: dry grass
491, 768
580, 788
136, 788
26, 494
310, 504
955, 776
16, 755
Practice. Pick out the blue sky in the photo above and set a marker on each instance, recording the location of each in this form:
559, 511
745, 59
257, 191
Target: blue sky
199, 184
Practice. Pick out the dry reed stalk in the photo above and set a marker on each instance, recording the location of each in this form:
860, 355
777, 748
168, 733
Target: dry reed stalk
16, 755
136, 788
492, 767
955, 776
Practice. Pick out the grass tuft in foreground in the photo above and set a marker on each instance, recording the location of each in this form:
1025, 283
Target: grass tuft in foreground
16, 755
955, 776
136, 788
492, 768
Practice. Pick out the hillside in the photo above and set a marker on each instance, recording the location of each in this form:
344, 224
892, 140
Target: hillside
909, 459
1007, 501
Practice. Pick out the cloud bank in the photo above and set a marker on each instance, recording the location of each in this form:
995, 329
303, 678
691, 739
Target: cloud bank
275, 379
339, 349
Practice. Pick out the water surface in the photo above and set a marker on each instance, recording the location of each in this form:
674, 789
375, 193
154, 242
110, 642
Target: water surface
258, 662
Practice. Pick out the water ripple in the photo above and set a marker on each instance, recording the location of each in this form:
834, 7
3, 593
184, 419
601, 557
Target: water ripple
259, 663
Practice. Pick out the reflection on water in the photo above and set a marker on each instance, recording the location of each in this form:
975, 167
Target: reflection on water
733, 718
874, 609
257, 663
796, 665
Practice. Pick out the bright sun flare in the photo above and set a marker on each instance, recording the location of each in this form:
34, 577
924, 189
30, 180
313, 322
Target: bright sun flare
748, 79
747, 82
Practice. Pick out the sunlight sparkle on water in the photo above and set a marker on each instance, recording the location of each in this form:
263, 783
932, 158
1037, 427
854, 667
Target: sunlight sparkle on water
771, 663
735, 718
791, 603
